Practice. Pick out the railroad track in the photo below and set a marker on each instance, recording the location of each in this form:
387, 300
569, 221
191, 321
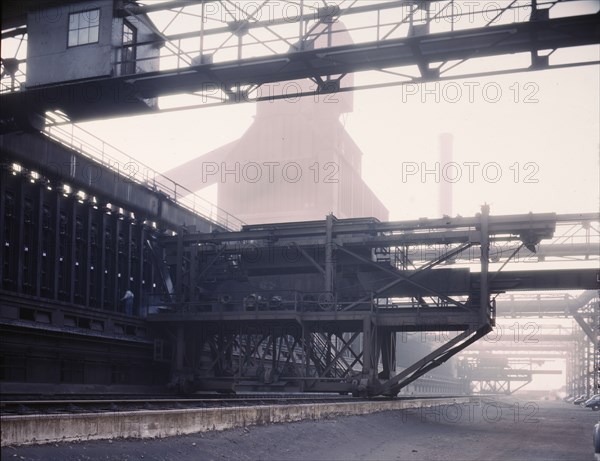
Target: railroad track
138, 403
96, 404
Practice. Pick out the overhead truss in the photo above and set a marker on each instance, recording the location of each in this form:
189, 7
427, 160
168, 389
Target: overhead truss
230, 51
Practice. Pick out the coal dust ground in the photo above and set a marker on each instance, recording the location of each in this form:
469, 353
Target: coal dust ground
503, 429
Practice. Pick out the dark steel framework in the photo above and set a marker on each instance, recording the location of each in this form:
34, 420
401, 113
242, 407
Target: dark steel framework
583, 366
527, 338
233, 52
496, 375
305, 306
79, 226
76, 234
65, 262
327, 318
60, 246
316, 306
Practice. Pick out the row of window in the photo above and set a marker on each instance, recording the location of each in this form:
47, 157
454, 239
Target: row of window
84, 28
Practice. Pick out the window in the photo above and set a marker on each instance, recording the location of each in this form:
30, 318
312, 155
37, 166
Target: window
128, 55
129, 34
84, 27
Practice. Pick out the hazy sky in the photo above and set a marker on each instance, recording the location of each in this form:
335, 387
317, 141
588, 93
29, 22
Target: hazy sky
546, 150
522, 142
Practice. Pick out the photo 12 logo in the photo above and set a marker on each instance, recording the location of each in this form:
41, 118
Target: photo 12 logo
454, 172
271, 172
516, 332
488, 411
470, 92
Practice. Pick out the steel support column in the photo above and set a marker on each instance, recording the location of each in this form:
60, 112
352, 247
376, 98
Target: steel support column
369, 368
484, 293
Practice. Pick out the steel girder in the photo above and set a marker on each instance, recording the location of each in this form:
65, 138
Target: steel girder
400, 43
332, 289
582, 367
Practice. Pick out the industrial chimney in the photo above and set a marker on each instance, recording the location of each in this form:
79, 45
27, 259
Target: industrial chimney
446, 140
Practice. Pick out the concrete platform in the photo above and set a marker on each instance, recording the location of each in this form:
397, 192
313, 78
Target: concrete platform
40, 429
502, 429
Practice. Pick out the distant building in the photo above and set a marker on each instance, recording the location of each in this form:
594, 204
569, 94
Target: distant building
296, 162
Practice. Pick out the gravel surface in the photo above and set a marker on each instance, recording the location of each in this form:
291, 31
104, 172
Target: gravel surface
501, 429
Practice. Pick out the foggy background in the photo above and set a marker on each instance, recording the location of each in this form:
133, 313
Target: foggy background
557, 131
537, 132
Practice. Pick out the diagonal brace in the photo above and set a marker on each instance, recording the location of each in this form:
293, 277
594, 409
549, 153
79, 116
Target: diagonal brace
400, 278
434, 359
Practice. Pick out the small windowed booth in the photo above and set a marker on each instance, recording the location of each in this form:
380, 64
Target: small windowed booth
86, 40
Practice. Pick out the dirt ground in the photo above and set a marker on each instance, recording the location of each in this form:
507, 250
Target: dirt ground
501, 429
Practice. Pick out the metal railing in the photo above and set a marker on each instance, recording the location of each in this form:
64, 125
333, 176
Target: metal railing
132, 170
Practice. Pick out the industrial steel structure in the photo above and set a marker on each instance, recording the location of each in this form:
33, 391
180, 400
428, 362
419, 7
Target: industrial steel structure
230, 53
516, 352
219, 304
322, 284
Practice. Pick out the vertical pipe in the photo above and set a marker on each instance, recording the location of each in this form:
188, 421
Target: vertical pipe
301, 26
367, 346
202, 19
179, 270
446, 147
595, 306
128, 255
116, 296
193, 265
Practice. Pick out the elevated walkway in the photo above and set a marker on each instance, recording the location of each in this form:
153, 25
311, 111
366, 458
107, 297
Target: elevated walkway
70, 155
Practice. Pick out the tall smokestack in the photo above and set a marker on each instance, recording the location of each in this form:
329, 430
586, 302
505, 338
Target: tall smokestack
446, 140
